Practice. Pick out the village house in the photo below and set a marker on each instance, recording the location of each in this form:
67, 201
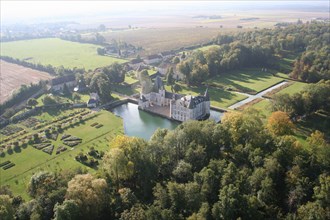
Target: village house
93, 100
57, 84
153, 59
135, 63
180, 107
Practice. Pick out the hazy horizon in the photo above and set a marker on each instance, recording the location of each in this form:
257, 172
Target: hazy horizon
53, 11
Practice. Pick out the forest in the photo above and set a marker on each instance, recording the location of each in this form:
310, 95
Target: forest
265, 48
246, 167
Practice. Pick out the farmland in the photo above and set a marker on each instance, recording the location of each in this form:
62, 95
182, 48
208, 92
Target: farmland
57, 53
155, 40
13, 76
28, 160
247, 80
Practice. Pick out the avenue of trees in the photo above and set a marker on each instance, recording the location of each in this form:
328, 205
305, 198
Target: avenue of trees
240, 168
261, 48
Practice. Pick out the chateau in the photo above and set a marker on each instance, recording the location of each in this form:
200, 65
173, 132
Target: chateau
173, 105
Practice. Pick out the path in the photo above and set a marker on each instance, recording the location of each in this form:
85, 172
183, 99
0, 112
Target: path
252, 97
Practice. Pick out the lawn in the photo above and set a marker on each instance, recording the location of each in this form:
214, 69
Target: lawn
248, 80
219, 98
294, 88
31, 160
264, 107
57, 52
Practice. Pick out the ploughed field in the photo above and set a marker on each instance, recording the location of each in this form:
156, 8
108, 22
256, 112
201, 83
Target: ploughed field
156, 40
57, 52
13, 76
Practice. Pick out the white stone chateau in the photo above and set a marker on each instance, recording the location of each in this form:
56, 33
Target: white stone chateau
175, 106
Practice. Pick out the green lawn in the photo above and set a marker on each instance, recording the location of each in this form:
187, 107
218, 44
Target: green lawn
247, 80
125, 90
57, 52
130, 79
219, 98
205, 48
294, 88
31, 160
264, 107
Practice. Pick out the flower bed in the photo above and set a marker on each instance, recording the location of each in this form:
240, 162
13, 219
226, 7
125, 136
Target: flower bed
71, 143
99, 126
6, 167
94, 124
64, 136
60, 149
9, 130
4, 163
48, 150
41, 146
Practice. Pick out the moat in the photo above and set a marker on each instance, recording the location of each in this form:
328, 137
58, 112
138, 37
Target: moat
143, 124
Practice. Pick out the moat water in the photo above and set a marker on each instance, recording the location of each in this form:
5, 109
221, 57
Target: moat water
142, 124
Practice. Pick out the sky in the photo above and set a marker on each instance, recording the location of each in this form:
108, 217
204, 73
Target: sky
24, 11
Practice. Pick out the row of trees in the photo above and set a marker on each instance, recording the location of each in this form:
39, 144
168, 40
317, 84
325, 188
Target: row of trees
240, 168
24, 92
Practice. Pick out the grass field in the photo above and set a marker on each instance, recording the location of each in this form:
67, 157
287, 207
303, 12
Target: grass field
248, 80
219, 98
57, 52
31, 160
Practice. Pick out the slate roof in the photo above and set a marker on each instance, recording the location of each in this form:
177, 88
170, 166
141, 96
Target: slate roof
135, 61
166, 53
169, 95
194, 101
91, 101
63, 79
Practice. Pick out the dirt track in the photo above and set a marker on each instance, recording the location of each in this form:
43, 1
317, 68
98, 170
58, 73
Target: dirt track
12, 76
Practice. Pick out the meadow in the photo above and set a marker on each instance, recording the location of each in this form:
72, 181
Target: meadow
30, 160
57, 52
249, 81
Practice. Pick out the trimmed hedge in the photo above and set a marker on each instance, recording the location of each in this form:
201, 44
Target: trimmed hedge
4, 163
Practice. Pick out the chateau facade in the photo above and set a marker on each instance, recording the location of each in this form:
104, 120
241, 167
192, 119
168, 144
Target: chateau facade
180, 107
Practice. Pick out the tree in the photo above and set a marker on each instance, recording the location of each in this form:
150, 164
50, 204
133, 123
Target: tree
145, 81
90, 195
32, 102
41, 183
67, 211
170, 76
66, 91
100, 51
183, 171
176, 60
115, 73
6, 208
48, 100
319, 147
101, 85
280, 124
